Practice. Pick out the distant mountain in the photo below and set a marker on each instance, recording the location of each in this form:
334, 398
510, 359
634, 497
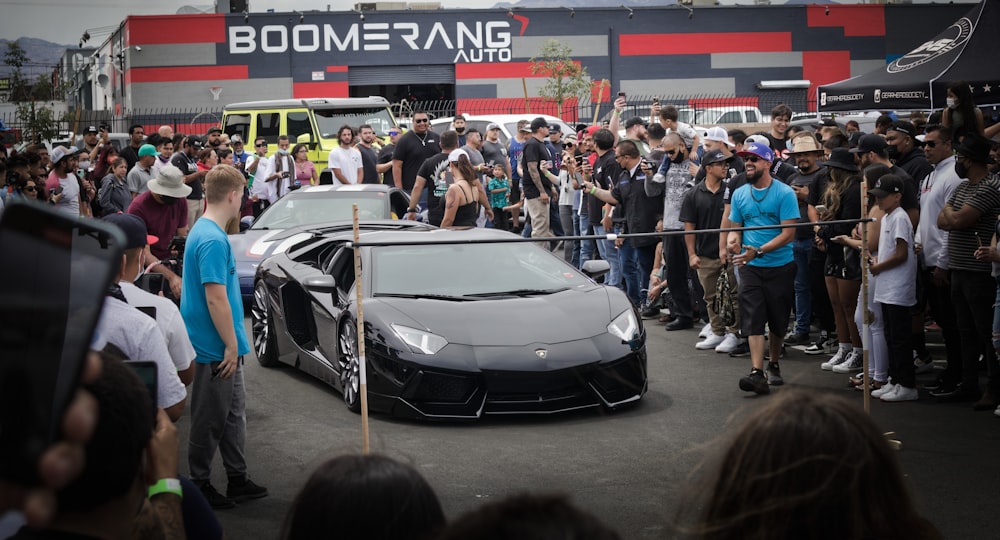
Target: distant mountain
42, 55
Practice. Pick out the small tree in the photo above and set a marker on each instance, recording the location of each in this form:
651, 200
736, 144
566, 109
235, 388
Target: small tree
38, 123
566, 78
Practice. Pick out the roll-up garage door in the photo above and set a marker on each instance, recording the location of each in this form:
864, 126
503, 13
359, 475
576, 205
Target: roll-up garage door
374, 75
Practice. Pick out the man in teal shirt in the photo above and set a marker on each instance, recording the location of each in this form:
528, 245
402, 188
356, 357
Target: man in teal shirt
213, 313
766, 262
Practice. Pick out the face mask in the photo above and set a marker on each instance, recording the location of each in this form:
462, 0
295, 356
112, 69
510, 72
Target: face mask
84, 165
961, 170
167, 199
283, 151
951, 103
892, 151
678, 158
142, 268
460, 129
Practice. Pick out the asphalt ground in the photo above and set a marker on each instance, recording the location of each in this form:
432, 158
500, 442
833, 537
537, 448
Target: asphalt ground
630, 468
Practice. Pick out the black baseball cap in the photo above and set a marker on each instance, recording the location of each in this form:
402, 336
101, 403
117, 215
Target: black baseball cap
714, 156
871, 142
887, 185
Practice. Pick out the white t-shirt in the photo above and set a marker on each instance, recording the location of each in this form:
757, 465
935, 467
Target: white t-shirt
897, 286
348, 160
69, 203
168, 318
264, 190
138, 336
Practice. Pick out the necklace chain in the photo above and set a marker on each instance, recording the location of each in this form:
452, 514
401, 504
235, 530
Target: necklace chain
762, 197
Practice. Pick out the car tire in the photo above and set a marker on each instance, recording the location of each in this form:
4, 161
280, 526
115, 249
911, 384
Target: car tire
264, 343
350, 368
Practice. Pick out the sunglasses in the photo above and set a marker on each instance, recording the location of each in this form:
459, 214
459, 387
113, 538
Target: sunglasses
752, 159
421, 120
261, 145
31, 189
568, 145
930, 144
393, 133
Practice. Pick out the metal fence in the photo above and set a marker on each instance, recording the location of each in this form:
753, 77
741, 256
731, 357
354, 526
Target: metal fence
188, 121
690, 107
588, 110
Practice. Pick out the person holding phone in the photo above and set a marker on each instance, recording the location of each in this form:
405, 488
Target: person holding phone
213, 313
164, 312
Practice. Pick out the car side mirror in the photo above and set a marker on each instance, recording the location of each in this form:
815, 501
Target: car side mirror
595, 268
321, 284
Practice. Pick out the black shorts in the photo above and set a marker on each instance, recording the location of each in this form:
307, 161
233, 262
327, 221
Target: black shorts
843, 265
515, 191
766, 297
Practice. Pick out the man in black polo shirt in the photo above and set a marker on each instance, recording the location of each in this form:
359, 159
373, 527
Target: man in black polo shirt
412, 150
702, 210
433, 180
601, 171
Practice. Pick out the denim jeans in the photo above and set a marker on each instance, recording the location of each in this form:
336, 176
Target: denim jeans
629, 260
802, 249
609, 253
587, 247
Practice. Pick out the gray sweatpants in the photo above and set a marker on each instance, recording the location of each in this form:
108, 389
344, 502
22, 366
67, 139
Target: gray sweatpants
218, 421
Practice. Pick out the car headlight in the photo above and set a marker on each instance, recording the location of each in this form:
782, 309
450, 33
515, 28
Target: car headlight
625, 326
420, 341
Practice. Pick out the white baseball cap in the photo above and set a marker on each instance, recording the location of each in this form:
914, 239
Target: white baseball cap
718, 134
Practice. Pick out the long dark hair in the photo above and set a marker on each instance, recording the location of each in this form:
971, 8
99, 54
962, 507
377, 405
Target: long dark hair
808, 465
966, 104
840, 180
373, 497
101, 168
465, 170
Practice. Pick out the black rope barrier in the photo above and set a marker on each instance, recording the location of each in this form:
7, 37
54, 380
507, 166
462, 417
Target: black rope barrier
609, 236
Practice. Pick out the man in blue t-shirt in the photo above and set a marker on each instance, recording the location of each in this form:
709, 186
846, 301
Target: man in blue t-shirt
213, 313
766, 261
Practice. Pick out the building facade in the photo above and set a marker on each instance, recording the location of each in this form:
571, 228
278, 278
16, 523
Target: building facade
479, 56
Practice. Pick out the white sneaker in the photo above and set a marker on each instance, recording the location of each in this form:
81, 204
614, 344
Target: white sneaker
888, 388
711, 342
729, 344
836, 359
853, 362
901, 393
705, 331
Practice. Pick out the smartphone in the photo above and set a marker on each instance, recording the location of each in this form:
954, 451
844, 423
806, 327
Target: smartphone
148, 375
656, 100
51, 296
978, 239
148, 310
56, 191
820, 208
621, 95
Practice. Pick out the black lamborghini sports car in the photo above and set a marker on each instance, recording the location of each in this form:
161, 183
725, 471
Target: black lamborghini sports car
458, 323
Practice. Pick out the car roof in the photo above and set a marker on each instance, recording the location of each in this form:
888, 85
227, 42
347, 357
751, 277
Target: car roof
432, 235
346, 188
315, 103
499, 118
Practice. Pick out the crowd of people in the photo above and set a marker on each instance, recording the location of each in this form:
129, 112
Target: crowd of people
797, 233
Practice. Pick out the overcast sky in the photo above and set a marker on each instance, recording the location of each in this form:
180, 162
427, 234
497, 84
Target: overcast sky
64, 21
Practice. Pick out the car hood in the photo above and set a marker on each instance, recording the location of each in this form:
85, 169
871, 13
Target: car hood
254, 245
509, 322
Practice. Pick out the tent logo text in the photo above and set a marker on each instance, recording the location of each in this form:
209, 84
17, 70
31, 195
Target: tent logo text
957, 33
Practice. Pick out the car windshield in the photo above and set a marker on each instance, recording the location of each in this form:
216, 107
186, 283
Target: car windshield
685, 115
470, 269
330, 120
309, 208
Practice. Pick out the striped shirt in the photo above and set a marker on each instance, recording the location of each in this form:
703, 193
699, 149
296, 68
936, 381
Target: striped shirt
962, 243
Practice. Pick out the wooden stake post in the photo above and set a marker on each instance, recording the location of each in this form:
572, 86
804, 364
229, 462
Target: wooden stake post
362, 363
865, 316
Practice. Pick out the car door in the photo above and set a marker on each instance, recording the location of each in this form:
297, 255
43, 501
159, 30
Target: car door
329, 315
